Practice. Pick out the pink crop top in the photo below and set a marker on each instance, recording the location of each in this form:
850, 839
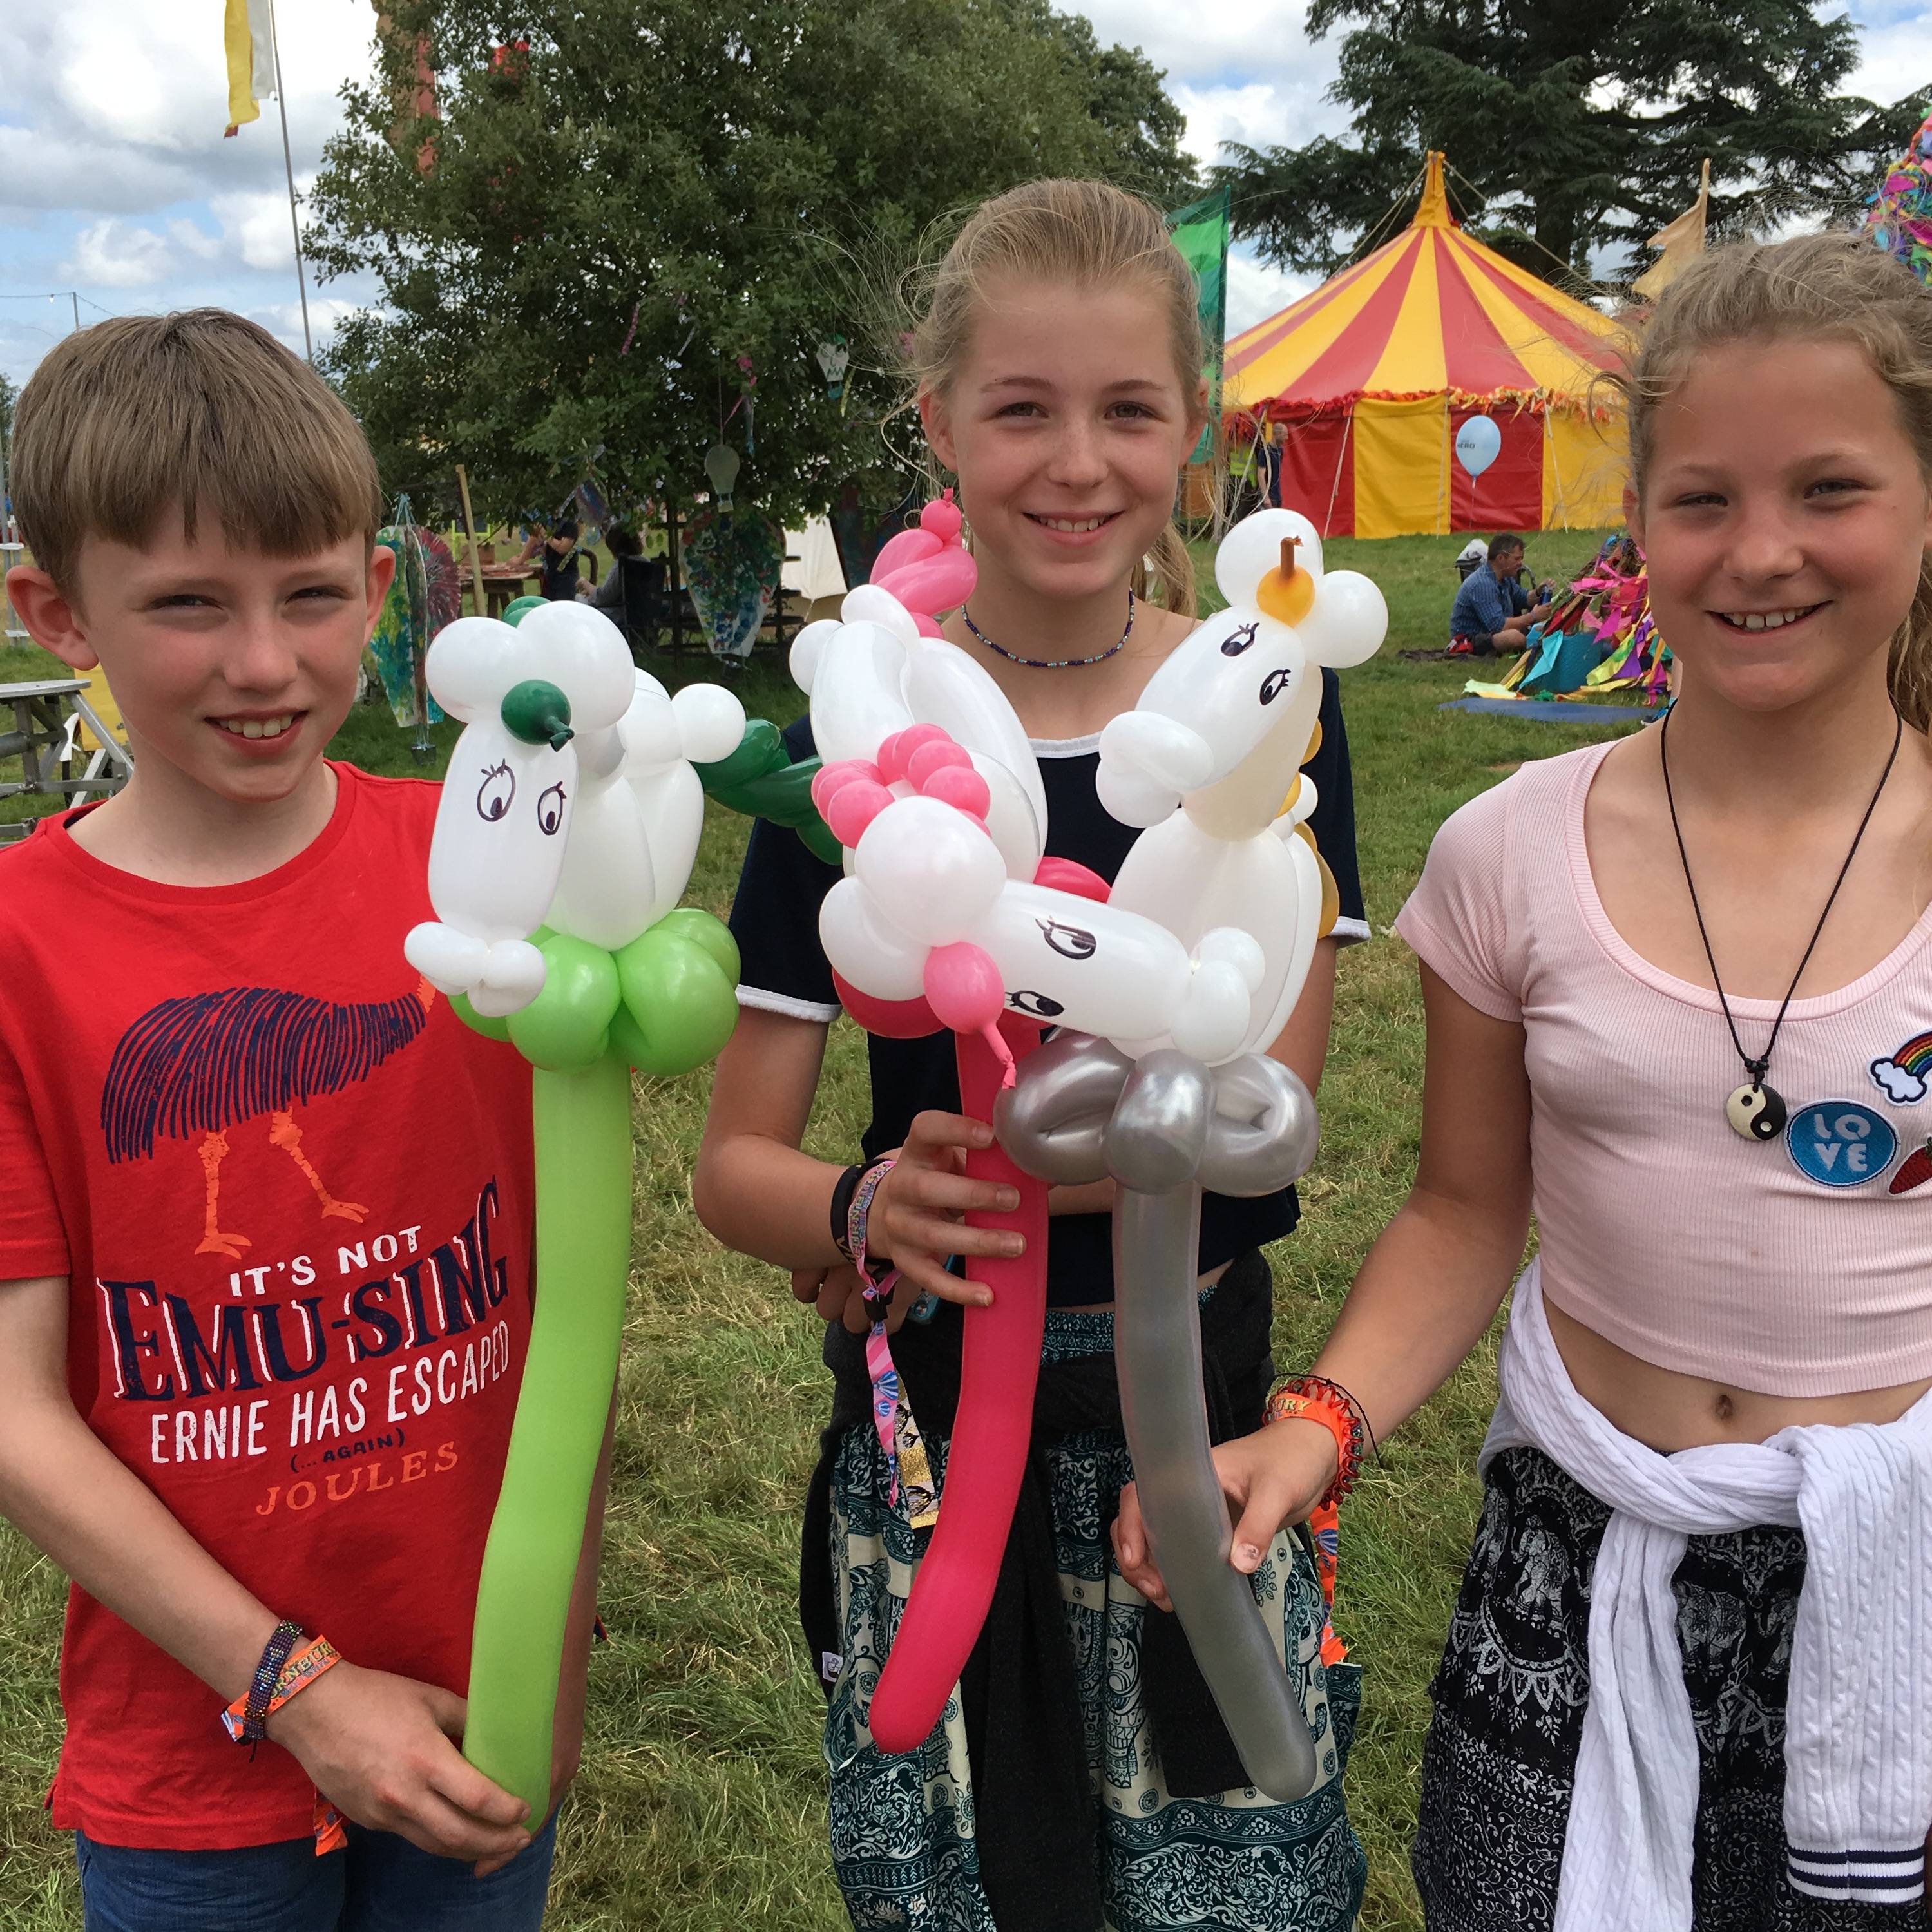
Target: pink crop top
1801, 1267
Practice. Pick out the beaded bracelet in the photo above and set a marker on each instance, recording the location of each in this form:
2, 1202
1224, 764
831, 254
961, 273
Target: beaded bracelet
1316, 1399
243, 1722
248, 1710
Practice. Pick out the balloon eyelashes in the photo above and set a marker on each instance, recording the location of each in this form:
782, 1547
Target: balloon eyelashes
1163, 1127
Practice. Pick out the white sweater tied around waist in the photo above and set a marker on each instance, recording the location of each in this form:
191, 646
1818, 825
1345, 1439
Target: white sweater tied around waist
1858, 1746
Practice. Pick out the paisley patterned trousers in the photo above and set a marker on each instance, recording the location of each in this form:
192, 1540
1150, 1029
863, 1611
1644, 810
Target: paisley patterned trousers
902, 1839
1510, 1698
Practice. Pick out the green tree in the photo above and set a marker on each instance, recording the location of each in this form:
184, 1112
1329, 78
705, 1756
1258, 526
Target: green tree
629, 226
1576, 125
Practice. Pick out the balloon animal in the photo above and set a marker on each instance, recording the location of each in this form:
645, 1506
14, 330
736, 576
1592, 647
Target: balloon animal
567, 826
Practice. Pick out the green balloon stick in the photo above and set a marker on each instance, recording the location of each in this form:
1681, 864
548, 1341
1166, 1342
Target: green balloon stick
583, 1122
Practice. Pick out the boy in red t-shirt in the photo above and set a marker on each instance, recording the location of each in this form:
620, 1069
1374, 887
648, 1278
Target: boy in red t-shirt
265, 1204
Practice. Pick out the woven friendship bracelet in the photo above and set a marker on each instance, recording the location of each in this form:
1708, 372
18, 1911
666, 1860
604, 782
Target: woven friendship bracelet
1316, 1399
842, 1192
877, 1292
245, 1719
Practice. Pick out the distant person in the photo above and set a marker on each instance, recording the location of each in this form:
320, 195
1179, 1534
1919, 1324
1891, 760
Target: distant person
621, 540
1492, 611
554, 552
269, 1468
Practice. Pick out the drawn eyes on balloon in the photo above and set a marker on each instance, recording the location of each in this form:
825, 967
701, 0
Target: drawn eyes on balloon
1035, 1005
1234, 645
494, 794
1275, 683
1070, 942
550, 809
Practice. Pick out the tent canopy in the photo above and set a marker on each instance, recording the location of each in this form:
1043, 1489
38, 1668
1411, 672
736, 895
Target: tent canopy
1371, 375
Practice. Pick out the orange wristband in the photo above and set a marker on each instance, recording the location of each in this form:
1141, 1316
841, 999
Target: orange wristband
315, 1657
1306, 1399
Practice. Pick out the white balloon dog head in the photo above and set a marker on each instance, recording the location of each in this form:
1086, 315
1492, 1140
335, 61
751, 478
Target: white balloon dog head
1229, 689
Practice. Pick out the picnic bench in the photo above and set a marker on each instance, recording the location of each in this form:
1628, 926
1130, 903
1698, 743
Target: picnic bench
47, 715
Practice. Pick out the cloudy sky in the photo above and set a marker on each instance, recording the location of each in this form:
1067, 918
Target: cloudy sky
119, 194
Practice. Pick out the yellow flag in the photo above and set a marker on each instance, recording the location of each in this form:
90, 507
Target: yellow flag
248, 36
1682, 240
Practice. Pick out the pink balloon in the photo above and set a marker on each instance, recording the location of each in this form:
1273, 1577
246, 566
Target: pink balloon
1069, 875
927, 627
961, 787
999, 1366
940, 582
908, 546
890, 1019
853, 807
934, 755
829, 780
896, 753
963, 987
942, 517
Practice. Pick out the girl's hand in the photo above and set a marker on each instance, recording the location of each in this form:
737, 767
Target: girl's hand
918, 1215
1274, 1476
829, 1291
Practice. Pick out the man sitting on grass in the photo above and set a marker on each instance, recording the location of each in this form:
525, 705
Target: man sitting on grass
1492, 611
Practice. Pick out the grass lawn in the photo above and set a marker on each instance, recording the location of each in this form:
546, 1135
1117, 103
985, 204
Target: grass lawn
701, 1802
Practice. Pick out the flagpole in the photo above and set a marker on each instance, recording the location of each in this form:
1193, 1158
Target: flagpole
288, 163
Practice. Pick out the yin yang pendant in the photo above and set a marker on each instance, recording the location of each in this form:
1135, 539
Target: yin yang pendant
1756, 1111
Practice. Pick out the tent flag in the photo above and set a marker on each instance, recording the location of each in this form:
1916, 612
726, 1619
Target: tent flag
1682, 242
251, 60
1900, 219
1200, 232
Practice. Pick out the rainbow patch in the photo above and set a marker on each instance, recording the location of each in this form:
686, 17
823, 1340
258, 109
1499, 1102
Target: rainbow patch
1903, 1077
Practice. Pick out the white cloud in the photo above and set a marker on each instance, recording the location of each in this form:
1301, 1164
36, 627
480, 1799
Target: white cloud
115, 254
1256, 291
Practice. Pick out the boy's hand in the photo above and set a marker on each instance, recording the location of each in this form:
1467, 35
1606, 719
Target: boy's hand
918, 1215
382, 1750
1274, 1476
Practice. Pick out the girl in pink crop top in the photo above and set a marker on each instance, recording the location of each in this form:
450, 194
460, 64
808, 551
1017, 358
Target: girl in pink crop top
1678, 991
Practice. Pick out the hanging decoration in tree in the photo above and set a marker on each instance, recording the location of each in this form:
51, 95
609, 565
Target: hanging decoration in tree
732, 561
834, 357
1900, 220
425, 594
721, 465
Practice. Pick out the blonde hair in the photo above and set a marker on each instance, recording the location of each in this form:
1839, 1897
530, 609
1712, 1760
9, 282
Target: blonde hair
201, 410
1093, 235
1817, 287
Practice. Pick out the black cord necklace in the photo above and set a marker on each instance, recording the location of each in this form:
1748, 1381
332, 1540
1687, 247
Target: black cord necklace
1053, 664
1756, 1110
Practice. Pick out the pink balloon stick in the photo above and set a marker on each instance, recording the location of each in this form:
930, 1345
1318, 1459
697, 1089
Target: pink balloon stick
1000, 1363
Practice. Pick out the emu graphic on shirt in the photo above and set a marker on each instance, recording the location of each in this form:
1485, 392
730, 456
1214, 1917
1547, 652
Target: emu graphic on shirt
202, 1064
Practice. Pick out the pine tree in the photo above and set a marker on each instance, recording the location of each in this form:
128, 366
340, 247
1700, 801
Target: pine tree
1576, 126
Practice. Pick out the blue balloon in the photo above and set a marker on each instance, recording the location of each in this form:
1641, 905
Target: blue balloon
1478, 443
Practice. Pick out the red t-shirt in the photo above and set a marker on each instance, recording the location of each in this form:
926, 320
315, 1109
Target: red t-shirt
293, 1194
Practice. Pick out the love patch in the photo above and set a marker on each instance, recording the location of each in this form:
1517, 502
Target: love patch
1839, 1144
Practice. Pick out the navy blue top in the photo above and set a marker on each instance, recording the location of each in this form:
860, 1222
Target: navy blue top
774, 920
1485, 603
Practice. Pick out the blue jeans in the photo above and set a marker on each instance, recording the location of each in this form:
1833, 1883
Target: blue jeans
381, 1883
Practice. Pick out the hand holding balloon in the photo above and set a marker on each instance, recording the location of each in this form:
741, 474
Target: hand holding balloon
1274, 1476
919, 1212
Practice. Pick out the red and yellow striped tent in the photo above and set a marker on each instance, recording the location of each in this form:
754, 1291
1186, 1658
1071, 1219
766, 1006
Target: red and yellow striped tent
1369, 378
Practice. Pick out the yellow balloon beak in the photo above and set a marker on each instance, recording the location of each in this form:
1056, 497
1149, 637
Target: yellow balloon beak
1287, 593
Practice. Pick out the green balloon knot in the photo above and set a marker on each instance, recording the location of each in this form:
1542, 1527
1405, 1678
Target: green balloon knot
538, 713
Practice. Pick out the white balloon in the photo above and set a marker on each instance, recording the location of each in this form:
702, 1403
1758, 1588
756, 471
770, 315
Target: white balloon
855, 698
471, 664
608, 883
934, 871
581, 651
1175, 755
1133, 798
867, 604
943, 686
1347, 623
670, 801
496, 852
1214, 1017
1253, 548
710, 722
1478, 443
513, 975
863, 948
1241, 950
1010, 818
450, 960
805, 647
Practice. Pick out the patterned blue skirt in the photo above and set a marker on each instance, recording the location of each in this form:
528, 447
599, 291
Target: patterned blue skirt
902, 1827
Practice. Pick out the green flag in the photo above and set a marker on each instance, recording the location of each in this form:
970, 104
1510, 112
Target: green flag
1200, 232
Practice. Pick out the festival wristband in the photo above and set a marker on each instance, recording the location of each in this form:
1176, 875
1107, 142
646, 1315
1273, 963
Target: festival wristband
1316, 1399
842, 1207
857, 1217
243, 1719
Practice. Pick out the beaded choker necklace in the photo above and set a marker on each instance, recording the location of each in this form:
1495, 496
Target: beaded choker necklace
1052, 663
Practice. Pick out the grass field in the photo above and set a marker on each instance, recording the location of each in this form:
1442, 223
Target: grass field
701, 1806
